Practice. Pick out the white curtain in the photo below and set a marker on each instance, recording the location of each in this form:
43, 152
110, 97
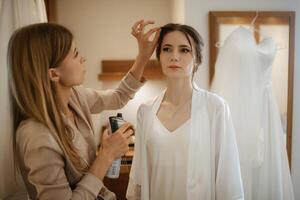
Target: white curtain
13, 14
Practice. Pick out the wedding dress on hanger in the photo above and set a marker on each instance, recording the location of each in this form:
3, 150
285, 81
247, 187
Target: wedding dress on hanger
243, 76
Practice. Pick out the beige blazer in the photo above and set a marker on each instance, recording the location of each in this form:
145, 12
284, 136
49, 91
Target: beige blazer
45, 168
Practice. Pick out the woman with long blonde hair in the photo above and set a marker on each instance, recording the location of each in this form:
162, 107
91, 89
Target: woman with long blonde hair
53, 135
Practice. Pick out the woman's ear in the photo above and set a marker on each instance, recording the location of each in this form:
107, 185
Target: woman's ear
195, 67
53, 74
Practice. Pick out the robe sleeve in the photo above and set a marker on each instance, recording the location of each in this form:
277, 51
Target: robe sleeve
135, 177
133, 191
111, 99
228, 174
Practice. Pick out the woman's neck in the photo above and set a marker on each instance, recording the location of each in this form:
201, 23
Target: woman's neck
64, 94
178, 90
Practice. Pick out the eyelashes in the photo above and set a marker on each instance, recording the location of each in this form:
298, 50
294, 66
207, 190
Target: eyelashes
185, 50
166, 49
182, 50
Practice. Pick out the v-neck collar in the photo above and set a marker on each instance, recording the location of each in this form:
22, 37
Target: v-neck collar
174, 132
156, 106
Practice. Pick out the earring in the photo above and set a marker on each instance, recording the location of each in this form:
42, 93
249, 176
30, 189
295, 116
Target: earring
195, 68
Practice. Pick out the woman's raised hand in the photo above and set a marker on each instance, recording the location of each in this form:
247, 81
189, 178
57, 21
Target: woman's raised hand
145, 43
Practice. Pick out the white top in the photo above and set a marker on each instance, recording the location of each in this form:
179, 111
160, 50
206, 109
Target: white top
168, 154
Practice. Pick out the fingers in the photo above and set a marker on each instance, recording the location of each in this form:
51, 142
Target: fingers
125, 134
153, 30
124, 127
136, 25
105, 134
120, 143
139, 26
129, 140
128, 133
143, 24
122, 138
134, 28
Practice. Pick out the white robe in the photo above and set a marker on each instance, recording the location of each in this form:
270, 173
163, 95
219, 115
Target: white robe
213, 161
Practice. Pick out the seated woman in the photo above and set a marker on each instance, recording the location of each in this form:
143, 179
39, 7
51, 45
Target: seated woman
185, 145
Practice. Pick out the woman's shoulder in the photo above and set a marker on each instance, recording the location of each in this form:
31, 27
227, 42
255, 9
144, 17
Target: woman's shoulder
147, 105
26, 127
34, 134
212, 99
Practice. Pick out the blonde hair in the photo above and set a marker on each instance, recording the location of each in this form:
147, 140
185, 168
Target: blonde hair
32, 50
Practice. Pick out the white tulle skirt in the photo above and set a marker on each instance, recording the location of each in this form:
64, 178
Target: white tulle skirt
243, 78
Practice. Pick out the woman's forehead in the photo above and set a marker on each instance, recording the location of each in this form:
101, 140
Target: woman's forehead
176, 38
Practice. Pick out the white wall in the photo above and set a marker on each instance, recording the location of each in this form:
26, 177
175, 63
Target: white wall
102, 31
196, 14
178, 11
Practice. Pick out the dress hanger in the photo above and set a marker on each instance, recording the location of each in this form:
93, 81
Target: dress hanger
278, 47
251, 27
253, 22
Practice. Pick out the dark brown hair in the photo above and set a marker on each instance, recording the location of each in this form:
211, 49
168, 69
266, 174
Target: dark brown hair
188, 31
